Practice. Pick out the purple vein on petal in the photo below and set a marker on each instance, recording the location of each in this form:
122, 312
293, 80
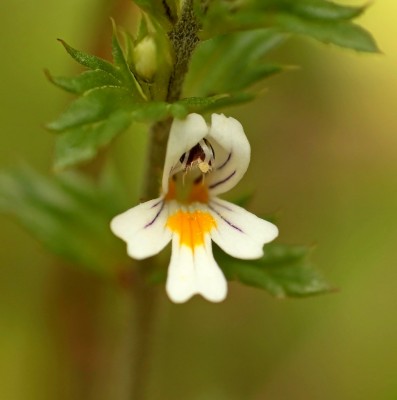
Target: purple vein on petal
156, 216
225, 162
224, 219
155, 205
214, 185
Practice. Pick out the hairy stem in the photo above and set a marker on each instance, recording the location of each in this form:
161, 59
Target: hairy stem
183, 38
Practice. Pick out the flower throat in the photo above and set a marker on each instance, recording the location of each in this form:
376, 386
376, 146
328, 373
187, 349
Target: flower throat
187, 184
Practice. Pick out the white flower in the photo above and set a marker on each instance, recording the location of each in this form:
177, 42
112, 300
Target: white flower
201, 162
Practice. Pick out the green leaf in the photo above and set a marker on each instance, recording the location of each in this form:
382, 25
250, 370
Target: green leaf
68, 214
151, 111
283, 271
129, 42
83, 143
111, 98
164, 11
92, 62
322, 20
231, 63
325, 10
208, 104
84, 82
122, 65
94, 106
341, 33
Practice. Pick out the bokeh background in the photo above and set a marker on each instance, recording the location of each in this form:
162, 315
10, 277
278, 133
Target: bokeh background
324, 160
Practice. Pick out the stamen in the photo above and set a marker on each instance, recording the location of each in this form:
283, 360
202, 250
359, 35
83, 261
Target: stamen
204, 167
201, 156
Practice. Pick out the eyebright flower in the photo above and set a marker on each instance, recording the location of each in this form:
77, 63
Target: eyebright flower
201, 163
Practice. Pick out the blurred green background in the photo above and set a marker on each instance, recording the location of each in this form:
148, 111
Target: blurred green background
324, 160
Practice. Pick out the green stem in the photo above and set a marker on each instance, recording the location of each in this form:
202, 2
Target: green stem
184, 39
155, 159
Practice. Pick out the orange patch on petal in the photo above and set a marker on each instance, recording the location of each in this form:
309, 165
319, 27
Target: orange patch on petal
171, 194
198, 193
191, 226
187, 192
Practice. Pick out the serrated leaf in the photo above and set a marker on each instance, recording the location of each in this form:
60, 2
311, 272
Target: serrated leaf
231, 62
94, 106
83, 142
322, 20
122, 65
68, 214
92, 62
283, 271
341, 33
86, 81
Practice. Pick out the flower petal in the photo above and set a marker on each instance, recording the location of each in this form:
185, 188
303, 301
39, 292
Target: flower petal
211, 283
181, 279
232, 153
184, 135
239, 232
143, 228
194, 271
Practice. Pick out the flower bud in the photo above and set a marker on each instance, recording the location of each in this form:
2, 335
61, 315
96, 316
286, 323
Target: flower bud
145, 58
